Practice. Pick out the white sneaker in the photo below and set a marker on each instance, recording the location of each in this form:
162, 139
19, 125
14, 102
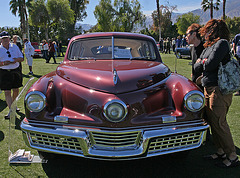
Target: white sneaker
7, 116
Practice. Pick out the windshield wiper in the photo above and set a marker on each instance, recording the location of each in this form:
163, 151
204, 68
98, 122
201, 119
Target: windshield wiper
139, 58
84, 58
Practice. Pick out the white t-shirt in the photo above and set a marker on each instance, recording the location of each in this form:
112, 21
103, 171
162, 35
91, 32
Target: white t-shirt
45, 46
14, 51
28, 49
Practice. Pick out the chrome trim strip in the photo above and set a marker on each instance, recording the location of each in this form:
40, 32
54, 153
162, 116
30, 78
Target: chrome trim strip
169, 119
89, 150
62, 119
112, 47
115, 77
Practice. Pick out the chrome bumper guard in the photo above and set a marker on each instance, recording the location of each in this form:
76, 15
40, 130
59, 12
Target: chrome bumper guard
114, 145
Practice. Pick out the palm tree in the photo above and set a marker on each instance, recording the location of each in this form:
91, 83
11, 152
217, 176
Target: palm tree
19, 7
159, 22
224, 8
208, 4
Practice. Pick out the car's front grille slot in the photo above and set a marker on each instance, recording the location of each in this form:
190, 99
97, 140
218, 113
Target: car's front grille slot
175, 141
116, 139
62, 143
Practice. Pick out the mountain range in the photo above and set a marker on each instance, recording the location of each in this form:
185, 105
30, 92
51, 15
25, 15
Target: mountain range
232, 10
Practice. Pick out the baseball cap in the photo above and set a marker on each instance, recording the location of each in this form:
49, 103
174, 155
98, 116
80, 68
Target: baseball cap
4, 34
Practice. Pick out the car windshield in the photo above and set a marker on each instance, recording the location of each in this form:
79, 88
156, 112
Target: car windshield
101, 48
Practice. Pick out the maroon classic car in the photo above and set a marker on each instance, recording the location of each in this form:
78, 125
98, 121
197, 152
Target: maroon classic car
113, 98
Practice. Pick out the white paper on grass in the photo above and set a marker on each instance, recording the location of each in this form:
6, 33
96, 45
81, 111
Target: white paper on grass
19, 156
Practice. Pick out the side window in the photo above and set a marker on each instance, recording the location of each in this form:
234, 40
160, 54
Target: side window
147, 50
76, 51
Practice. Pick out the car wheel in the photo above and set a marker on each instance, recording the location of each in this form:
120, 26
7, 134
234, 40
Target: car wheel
178, 55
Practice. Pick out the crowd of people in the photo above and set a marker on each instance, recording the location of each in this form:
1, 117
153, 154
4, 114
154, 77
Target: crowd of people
209, 47
52, 49
166, 44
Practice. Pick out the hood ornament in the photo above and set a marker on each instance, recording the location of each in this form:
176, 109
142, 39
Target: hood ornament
115, 77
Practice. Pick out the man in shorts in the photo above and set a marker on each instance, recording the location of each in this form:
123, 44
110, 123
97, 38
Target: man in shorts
29, 51
10, 72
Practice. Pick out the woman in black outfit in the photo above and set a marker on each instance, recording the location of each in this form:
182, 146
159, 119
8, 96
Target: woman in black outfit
217, 50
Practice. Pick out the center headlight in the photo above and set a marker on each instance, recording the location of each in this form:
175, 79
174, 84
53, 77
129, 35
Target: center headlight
194, 101
35, 101
115, 110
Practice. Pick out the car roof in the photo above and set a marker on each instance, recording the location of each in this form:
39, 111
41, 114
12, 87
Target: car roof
116, 34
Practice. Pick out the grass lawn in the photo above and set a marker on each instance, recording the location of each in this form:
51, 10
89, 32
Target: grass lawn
65, 166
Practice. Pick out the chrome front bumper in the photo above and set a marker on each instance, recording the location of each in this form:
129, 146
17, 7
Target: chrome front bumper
111, 144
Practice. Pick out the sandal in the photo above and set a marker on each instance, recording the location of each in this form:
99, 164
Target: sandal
233, 163
215, 156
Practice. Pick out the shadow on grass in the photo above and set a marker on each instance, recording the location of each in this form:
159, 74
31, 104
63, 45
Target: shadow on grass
3, 105
162, 166
29, 76
1, 136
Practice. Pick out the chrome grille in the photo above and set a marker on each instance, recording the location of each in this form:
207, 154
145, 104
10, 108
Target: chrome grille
175, 141
113, 140
63, 143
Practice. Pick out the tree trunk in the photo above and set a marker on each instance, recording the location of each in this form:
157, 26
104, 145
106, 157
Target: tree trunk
211, 9
224, 8
26, 24
159, 22
23, 14
46, 33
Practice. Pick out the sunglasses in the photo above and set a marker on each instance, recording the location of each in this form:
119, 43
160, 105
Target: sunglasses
190, 33
9, 55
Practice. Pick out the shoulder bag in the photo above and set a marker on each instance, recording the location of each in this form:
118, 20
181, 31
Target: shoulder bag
229, 76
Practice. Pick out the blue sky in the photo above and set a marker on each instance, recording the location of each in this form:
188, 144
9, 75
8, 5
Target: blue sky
8, 19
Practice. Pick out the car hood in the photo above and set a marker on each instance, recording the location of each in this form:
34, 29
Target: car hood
113, 76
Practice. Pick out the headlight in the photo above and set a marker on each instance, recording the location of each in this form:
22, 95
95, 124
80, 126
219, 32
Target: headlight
35, 101
194, 101
115, 110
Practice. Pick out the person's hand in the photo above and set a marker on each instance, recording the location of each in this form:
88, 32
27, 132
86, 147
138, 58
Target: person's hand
198, 60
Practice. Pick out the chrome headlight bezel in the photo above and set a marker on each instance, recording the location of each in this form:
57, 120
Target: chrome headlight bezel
39, 97
198, 105
117, 104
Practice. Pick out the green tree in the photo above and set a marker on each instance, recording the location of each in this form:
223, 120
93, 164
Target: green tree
39, 16
233, 25
50, 14
123, 15
12, 30
151, 33
104, 13
128, 14
209, 4
20, 7
59, 10
167, 28
79, 9
185, 20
